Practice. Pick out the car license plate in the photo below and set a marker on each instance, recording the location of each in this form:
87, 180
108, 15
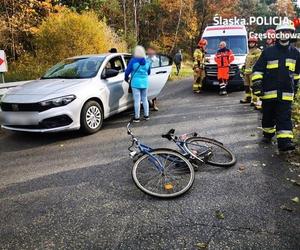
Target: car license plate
18, 118
215, 83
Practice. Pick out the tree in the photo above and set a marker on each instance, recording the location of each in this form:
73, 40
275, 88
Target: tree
20, 19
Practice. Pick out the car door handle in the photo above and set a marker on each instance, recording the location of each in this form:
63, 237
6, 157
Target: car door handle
161, 72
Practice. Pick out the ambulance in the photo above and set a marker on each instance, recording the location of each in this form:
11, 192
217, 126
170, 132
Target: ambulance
236, 39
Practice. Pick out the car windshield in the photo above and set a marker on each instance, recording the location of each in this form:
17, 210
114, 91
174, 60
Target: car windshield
238, 44
75, 68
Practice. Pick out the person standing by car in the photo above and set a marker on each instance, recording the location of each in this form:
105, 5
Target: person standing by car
154, 62
178, 58
224, 57
275, 80
139, 69
113, 50
251, 58
198, 65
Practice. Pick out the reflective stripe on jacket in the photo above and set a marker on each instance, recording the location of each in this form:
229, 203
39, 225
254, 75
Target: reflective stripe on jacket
278, 67
251, 59
199, 58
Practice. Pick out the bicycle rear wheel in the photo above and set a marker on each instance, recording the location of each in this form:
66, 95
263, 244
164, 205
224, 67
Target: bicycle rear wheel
164, 173
219, 155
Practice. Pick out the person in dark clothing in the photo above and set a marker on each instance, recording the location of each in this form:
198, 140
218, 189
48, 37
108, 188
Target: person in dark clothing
113, 50
275, 78
178, 58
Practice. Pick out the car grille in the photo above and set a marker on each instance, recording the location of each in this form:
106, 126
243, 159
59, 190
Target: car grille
211, 70
53, 122
22, 107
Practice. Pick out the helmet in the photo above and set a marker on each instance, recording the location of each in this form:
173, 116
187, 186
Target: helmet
270, 33
202, 43
253, 39
271, 37
286, 26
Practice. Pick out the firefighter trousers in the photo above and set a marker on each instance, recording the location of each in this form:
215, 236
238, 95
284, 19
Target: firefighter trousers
198, 78
248, 92
277, 119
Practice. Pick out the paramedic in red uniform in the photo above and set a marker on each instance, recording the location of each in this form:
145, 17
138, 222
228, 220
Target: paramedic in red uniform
223, 58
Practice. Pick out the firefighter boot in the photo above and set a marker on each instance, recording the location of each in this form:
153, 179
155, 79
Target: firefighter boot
247, 98
266, 140
285, 145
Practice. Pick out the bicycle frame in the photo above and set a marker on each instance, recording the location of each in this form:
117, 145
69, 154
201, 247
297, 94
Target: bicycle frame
181, 145
144, 149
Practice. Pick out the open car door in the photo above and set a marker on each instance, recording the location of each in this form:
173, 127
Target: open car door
160, 71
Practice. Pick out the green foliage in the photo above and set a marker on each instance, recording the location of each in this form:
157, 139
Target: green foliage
28, 67
186, 71
296, 118
64, 35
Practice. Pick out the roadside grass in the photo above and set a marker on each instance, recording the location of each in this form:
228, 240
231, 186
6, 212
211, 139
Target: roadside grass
296, 118
186, 71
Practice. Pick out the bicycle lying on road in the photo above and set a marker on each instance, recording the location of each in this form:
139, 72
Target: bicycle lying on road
166, 173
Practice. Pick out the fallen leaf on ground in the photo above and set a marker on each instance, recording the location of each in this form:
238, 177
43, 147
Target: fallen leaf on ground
295, 199
241, 168
284, 207
220, 215
202, 245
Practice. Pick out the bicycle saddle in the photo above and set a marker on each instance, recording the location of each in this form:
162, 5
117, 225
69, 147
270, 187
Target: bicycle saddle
169, 134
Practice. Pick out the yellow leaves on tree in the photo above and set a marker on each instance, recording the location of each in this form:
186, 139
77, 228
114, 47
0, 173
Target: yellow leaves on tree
284, 8
19, 20
63, 35
68, 34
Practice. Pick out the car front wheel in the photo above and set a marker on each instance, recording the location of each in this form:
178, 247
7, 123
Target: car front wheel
91, 118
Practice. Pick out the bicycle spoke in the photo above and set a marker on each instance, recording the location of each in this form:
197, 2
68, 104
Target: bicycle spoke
177, 174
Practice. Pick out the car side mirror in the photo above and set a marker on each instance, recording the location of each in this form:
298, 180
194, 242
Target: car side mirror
108, 73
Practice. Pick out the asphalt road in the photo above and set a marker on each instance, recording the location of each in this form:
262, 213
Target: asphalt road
67, 191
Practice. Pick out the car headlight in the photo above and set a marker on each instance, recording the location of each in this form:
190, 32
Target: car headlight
58, 102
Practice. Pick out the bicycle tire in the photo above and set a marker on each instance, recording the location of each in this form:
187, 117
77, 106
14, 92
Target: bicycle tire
164, 193
231, 157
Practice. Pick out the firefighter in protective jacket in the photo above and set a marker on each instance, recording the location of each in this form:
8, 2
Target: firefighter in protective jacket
275, 78
198, 65
251, 59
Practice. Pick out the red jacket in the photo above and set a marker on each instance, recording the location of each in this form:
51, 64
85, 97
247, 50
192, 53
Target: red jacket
224, 58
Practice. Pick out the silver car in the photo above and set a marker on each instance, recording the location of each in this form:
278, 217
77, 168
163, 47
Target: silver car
78, 93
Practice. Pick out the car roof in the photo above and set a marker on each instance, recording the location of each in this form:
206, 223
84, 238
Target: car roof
98, 55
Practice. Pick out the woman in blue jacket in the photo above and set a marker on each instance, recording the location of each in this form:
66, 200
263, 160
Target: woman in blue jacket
139, 69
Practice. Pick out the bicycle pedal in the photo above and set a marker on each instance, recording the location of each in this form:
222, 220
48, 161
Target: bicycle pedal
196, 167
207, 156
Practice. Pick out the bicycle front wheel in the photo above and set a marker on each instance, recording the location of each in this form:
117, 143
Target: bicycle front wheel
163, 173
210, 151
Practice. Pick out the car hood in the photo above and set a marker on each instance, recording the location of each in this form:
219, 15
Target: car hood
38, 90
